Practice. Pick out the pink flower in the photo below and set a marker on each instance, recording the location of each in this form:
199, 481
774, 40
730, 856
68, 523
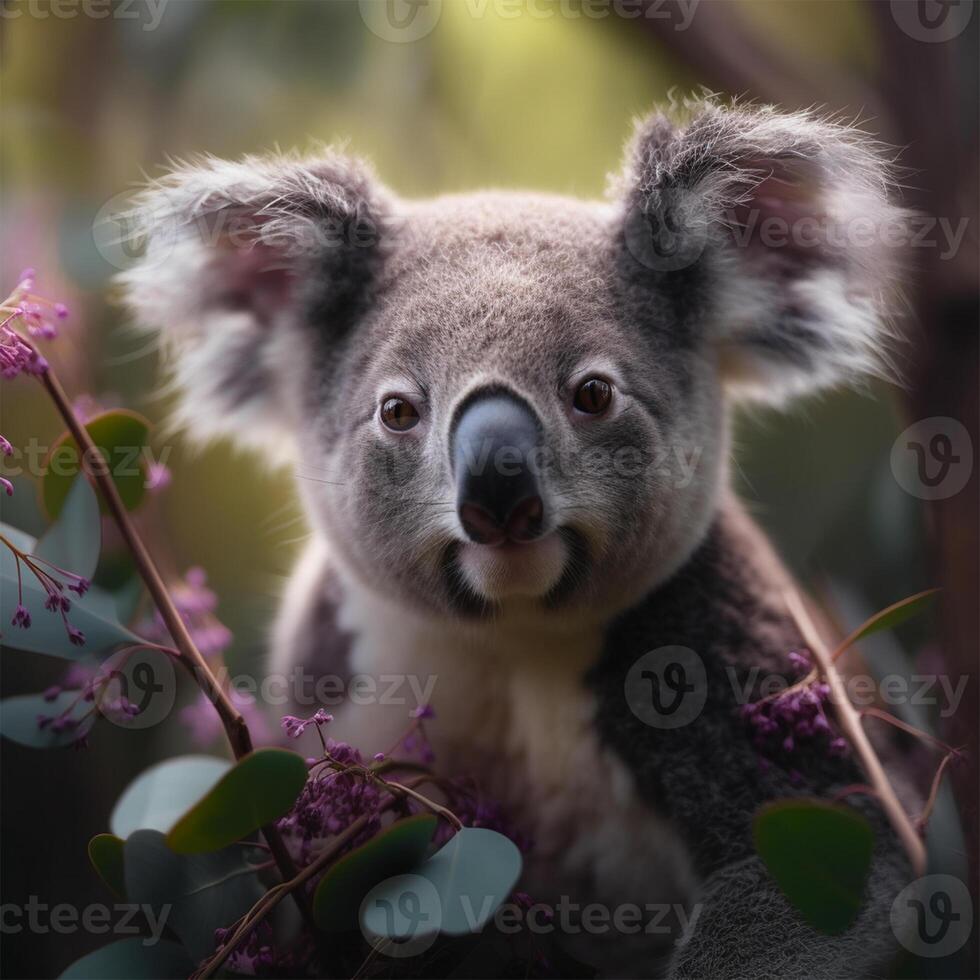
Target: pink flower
158, 477
196, 604
37, 316
294, 727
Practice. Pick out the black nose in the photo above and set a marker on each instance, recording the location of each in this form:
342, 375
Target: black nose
498, 496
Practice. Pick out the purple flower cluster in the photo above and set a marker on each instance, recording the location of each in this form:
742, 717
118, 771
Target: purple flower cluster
196, 604
38, 315
294, 727
6, 449
339, 790
329, 803
258, 956
792, 719
54, 581
90, 683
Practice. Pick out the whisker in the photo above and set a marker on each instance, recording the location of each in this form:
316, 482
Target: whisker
316, 479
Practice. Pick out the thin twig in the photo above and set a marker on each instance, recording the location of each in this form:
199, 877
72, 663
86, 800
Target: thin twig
850, 722
934, 790
872, 712
275, 895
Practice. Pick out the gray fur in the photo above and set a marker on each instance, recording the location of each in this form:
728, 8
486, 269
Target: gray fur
334, 294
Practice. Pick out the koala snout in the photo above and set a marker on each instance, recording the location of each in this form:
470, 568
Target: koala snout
494, 441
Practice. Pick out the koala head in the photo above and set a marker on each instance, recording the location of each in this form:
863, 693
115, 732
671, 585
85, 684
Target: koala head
504, 401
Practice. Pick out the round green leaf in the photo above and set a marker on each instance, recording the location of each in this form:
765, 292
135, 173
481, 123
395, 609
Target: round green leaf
392, 852
471, 876
121, 435
200, 892
105, 851
130, 959
819, 853
259, 789
19, 719
160, 794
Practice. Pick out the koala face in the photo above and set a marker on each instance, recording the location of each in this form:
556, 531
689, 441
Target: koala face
504, 403
499, 424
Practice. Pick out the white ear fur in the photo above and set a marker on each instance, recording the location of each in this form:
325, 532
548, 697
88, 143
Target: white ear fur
790, 217
225, 244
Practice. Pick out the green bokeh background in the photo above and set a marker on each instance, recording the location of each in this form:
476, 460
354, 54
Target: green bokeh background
91, 106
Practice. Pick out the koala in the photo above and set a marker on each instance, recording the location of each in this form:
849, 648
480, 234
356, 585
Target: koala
508, 418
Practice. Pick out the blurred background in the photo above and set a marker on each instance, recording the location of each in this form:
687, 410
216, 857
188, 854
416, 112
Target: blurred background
453, 96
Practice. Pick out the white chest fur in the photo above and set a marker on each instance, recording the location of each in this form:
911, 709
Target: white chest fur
512, 710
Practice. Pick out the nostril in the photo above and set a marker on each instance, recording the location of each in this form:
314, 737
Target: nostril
480, 525
524, 521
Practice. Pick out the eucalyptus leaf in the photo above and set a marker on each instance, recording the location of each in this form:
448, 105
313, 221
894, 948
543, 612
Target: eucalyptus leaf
159, 795
105, 851
819, 854
463, 885
121, 435
203, 892
132, 959
894, 615
343, 886
74, 541
259, 789
19, 719
127, 599
20, 539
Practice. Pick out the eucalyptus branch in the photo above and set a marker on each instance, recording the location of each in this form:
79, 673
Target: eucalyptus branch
275, 895
850, 722
271, 899
97, 469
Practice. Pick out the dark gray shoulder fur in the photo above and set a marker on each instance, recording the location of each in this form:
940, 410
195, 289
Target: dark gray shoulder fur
706, 775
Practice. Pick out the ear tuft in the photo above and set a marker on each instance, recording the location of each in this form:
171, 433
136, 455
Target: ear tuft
783, 223
227, 249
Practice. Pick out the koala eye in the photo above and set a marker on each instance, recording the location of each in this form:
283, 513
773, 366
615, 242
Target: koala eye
593, 396
399, 415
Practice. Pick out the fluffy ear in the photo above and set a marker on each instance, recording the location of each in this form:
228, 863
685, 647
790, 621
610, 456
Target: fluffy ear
774, 230
233, 251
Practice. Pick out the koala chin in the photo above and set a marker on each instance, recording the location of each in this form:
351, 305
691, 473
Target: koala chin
508, 418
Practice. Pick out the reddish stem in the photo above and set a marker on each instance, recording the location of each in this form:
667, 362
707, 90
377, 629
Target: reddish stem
97, 469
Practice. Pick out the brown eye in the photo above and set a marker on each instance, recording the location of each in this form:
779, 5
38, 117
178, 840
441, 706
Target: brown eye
593, 396
398, 414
